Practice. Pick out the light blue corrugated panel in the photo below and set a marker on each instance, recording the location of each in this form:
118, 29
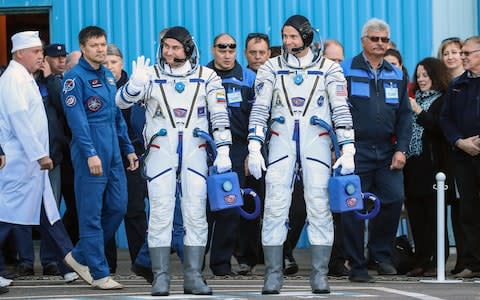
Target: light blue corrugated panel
134, 24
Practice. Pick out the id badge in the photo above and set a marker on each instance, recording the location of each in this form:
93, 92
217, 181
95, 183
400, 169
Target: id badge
391, 93
234, 98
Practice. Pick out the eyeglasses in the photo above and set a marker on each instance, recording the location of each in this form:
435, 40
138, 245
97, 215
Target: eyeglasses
225, 46
375, 39
467, 53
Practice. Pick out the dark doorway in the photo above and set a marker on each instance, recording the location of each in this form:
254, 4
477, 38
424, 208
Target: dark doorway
11, 23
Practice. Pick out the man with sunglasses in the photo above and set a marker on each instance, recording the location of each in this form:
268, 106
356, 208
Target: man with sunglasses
238, 83
383, 125
291, 89
460, 123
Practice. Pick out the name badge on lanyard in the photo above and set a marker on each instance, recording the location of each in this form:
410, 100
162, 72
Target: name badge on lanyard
234, 97
391, 93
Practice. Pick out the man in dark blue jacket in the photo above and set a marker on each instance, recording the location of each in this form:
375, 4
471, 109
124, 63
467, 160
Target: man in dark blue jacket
382, 116
238, 83
98, 132
460, 121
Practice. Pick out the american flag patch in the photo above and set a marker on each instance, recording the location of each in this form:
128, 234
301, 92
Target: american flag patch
221, 98
341, 90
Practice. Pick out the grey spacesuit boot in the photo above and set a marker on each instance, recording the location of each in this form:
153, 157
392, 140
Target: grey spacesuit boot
273, 269
318, 278
193, 282
160, 257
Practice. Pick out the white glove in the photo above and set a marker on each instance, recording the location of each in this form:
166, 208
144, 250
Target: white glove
223, 162
139, 77
256, 163
346, 160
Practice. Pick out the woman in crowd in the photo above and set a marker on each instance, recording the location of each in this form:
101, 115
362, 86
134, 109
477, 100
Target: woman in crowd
426, 156
449, 54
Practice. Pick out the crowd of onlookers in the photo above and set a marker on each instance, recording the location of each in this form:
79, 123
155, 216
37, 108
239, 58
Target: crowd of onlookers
440, 132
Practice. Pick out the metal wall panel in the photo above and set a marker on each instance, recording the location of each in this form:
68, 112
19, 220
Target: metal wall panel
134, 24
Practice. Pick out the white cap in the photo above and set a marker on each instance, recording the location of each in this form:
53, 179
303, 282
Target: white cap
25, 39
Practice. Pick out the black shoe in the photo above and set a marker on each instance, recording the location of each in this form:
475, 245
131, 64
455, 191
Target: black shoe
24, 271
244, 269
338, 270
385, 269
3, 289
143, 272
361, 278
225, 273
51, 269
290, 267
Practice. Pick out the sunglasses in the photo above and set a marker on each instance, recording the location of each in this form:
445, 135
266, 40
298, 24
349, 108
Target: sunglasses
375, 39
467, 53
225, 46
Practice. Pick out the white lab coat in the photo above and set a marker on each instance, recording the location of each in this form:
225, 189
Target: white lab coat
24, 139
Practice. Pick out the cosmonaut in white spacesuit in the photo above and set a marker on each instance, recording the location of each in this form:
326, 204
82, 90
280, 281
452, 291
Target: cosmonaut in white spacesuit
290, 89
179, 96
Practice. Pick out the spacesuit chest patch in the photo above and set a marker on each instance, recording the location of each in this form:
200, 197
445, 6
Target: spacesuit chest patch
201, 111
95, 83
298, 101
320, 100
94, 103
180, 112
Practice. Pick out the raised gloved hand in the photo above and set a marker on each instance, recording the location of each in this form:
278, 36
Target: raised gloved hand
346, 160
139, 77
256, 163
222, 161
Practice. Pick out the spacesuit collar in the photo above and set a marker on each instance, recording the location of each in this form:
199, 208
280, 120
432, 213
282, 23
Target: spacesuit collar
187, 66
306, 60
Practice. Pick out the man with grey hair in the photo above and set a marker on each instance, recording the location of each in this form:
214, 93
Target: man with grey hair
381, 112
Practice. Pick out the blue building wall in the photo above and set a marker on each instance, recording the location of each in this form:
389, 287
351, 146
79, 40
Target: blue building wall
134, 24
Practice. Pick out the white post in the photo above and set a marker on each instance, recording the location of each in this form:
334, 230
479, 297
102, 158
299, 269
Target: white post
440, 187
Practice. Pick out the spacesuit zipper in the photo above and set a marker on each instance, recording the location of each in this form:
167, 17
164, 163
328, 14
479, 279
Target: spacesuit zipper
179, 167
296, 138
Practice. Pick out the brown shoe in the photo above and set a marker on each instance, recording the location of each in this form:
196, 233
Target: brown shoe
432, 272
467, 273
416, 272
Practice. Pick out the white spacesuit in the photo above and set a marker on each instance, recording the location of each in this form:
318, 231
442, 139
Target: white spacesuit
290, 89
178, 100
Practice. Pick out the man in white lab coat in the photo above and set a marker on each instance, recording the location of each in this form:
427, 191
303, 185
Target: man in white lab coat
26, 195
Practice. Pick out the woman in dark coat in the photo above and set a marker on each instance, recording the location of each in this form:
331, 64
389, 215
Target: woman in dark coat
427, 155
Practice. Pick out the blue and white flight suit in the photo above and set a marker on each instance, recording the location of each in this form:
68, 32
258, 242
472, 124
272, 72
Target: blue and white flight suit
291, 90
296, 94
383, 125
176, 104
98, 128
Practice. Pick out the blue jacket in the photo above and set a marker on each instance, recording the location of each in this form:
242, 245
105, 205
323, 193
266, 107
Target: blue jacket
50, 89
382, 116
242, 80
460, 116
239, 88
89, 102
1, 151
